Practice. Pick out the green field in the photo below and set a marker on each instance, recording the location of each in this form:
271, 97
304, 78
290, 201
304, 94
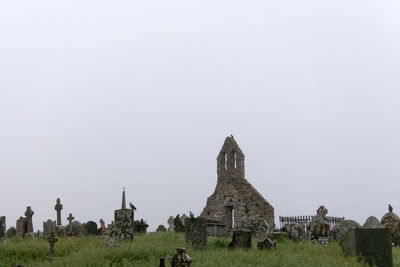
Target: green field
146, 250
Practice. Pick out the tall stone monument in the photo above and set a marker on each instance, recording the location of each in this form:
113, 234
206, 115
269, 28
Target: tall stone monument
29, 225
124, 221
234, 198
58, 207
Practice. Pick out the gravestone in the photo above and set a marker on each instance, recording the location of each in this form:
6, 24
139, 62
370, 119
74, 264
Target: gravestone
196, 232
171, 225
29, 225
258, 227
370, 244
161, 228
11, 232
124, 227
392, 221
266, 244
77, 229
240, 239
372, 222
322, 211
58, 207
318, 228
294, 231
2, 226
140, 226
91, 228
52, 240
180, 259
343, 227
178, 225
70, 218
21, 227
48, 227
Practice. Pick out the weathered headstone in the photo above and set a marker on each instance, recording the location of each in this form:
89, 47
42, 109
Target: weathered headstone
48, 227
180, 259
70, 218
2, 226
196, 232
11, 232
343, 227
178, 225
370, 244
29, 225
294, 231
21, 227
52, 240
77, 229
58, 207
258, 227
240, 239
372, 222
266, 244
161, 228
124, 227
91, 228
171, 225
318, 228
392, 221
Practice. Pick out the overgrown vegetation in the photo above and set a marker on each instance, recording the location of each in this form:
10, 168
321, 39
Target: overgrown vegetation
146, 250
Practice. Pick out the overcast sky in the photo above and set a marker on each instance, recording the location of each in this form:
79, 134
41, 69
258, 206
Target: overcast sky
97, 95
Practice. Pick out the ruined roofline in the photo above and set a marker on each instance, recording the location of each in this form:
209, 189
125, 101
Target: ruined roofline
231, 140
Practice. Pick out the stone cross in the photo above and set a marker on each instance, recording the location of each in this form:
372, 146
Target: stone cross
58, 207
29, 213
70, 218
52, 240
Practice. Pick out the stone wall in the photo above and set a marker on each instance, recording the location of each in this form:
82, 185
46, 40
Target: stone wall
233, 190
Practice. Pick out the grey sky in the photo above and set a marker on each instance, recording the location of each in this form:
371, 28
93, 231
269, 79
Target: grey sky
97, 95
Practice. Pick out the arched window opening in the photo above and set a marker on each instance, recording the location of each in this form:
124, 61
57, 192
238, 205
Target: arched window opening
225, 161
234, 160
233, 218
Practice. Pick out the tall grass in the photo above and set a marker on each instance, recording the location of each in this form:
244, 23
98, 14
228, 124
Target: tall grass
146, 250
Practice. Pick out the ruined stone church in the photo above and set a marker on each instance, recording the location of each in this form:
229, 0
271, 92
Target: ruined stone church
234, 198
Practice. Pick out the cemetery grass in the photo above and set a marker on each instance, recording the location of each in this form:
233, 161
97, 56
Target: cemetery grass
146, 250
